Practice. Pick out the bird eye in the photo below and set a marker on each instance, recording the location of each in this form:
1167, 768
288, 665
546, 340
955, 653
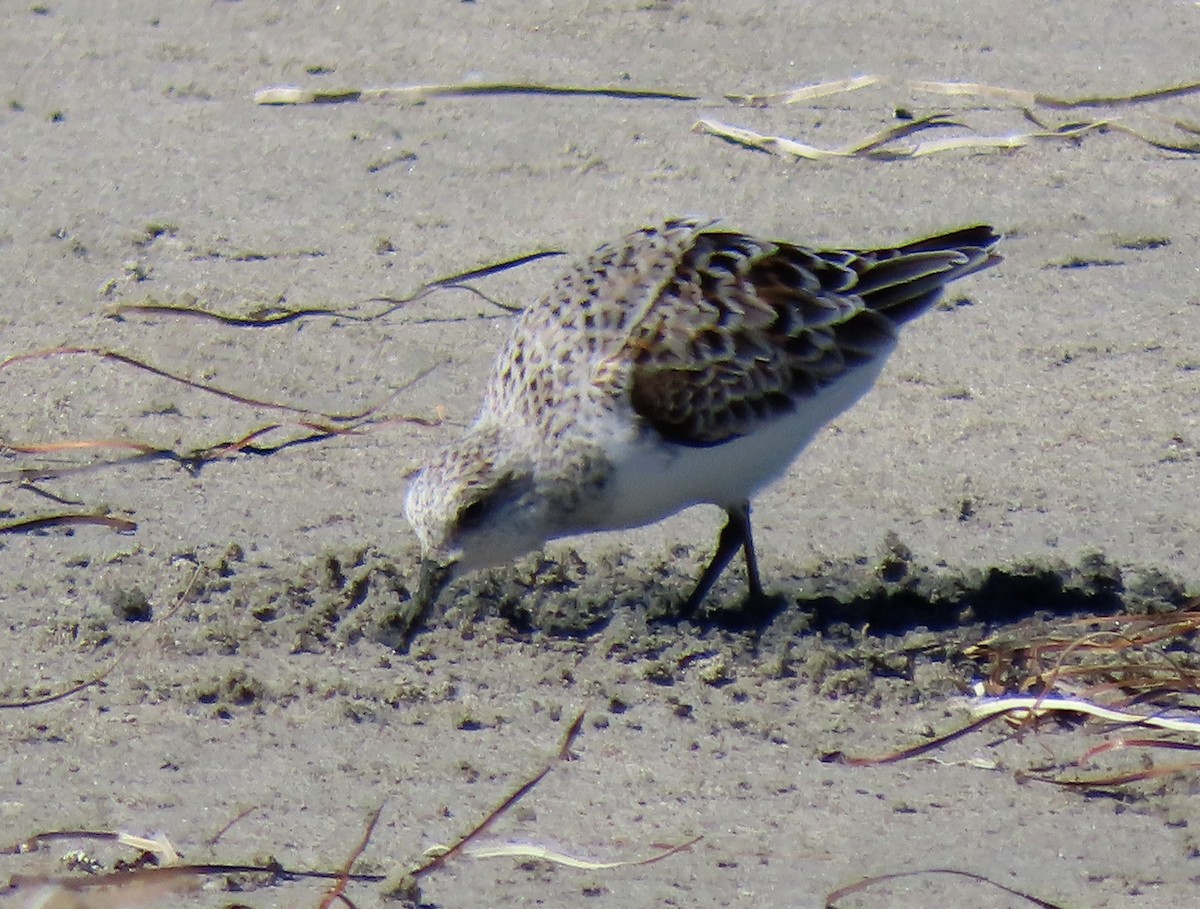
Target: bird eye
473, 514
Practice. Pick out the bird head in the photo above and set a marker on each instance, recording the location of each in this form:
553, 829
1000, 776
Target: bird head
476, 504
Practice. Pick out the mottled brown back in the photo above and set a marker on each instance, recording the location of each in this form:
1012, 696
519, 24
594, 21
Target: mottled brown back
746, 330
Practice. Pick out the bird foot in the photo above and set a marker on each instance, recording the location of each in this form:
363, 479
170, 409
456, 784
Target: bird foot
754, 613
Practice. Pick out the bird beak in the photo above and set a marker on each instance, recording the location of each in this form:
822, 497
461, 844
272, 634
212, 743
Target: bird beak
434, 576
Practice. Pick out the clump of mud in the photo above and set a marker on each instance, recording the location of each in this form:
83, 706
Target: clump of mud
879, 626
340, 598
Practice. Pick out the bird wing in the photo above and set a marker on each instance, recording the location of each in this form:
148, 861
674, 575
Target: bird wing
745, 330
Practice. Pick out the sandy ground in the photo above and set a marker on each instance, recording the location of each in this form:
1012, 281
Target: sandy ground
1037, 450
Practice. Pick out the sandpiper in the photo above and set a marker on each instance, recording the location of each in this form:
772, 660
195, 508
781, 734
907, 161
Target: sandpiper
685, 364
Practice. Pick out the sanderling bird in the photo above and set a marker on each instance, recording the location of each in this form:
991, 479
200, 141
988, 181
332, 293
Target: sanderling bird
685, 364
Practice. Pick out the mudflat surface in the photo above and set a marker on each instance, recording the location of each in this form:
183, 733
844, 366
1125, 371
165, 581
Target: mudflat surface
1031, 453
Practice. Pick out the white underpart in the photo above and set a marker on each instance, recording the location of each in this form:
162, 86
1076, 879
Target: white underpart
652, 480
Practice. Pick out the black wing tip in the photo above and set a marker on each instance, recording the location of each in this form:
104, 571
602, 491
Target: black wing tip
981, 237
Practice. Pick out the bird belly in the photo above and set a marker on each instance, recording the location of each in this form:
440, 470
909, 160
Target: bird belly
652, 478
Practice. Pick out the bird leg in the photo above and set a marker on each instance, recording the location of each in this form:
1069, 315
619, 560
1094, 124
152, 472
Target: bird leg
734, 535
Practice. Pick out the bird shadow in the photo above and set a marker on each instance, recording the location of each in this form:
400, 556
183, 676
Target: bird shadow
894, 599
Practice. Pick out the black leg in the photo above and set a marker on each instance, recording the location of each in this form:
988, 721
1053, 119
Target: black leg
735, 535
753, 580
